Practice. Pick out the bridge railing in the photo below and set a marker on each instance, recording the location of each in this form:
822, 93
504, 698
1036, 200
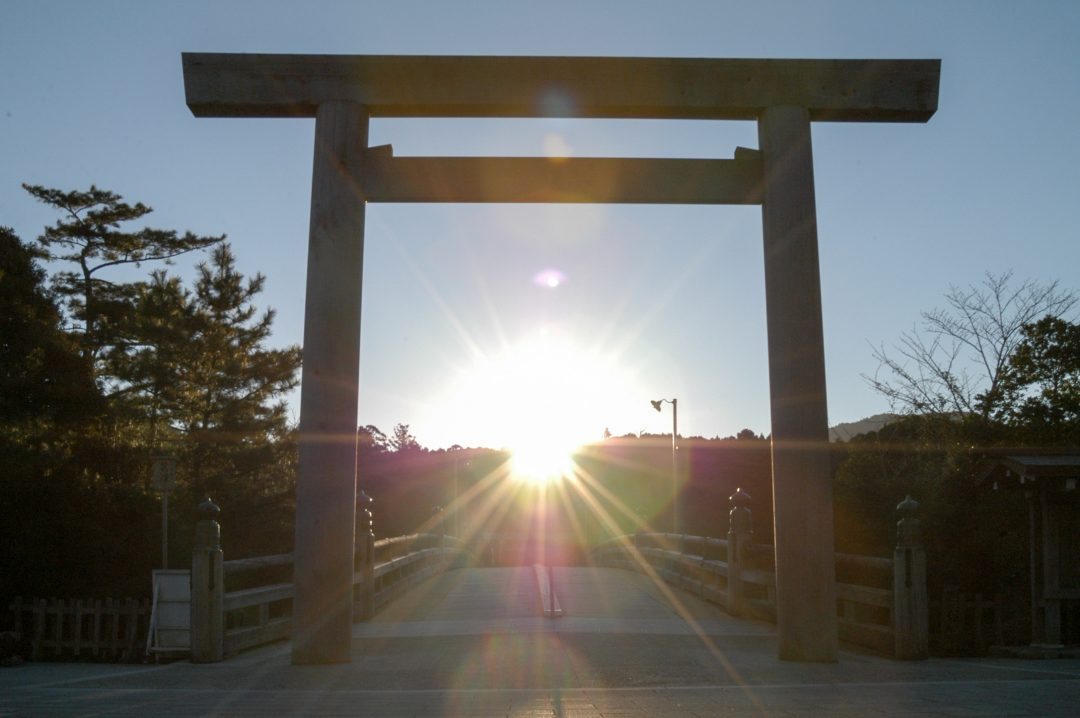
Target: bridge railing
260, 614
227, 621
881, 602
403, 561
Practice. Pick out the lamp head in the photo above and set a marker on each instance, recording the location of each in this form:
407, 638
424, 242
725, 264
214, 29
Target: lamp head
656, 404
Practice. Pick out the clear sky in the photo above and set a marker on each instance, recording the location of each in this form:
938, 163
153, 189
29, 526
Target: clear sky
653, 301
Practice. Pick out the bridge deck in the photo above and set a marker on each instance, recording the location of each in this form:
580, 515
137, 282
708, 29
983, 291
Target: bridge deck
472, 643
505, 600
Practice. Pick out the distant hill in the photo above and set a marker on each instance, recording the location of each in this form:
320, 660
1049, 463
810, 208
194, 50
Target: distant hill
851, 429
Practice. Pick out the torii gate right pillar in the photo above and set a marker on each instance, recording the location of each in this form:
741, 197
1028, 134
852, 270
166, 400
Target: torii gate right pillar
802, 483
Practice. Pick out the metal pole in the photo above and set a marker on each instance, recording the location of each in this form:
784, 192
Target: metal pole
549, 541
656, 404
551, 551
676, 521
163, 477
165, 528
457, 508
1033, 538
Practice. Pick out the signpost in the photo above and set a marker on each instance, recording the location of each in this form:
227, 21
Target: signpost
163, 476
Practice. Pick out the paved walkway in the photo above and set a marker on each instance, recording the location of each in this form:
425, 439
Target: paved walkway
472, 643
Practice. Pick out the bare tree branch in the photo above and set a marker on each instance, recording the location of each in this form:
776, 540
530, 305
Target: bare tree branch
953, 362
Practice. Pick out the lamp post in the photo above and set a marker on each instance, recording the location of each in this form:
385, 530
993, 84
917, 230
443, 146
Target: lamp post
675, 518
455, 504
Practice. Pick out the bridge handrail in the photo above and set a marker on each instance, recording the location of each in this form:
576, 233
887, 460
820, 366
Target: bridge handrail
237, 566
881, 602
397, 563
709, 578
225, 622
249, 597
390, 577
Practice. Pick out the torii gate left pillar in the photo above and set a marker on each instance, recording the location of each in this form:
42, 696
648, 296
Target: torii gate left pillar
782, 96
326, 497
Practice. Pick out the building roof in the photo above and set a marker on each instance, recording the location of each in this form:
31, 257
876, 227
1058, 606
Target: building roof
1019, 468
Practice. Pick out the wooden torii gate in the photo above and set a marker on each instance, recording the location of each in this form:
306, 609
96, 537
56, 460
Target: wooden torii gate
782, 96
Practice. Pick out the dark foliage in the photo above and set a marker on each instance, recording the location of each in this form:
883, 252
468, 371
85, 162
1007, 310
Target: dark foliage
43, 379
1041, 386
99, 376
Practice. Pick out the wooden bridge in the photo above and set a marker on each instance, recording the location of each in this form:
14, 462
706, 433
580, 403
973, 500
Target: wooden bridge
451, 637
652, 624
881, 602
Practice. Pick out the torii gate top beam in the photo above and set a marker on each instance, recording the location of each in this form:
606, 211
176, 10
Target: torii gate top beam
240, 85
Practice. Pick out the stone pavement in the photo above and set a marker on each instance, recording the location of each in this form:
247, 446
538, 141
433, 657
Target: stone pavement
472, 643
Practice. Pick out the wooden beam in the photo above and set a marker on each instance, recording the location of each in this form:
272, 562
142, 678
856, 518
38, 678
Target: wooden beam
326, 467
562, 179
241, 85
802, 474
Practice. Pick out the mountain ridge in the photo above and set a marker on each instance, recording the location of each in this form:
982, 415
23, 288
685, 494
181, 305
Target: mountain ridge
845, 431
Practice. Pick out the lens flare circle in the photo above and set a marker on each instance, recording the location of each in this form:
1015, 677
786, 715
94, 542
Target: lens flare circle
549, 278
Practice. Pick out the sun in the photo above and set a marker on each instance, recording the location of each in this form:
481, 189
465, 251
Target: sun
539, 462
541, 400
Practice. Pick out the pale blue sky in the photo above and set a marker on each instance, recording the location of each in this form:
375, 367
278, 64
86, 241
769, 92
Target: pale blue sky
672, 296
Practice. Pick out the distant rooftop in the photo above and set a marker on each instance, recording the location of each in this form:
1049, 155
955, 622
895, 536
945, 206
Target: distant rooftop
1063, 464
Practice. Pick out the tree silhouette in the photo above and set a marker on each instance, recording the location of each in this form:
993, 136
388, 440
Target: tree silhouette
89, 235
402, 440
371, 438
955, 363
43, 378
202, 373
1040, 390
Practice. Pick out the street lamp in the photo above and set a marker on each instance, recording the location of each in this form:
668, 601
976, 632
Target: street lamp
675, 518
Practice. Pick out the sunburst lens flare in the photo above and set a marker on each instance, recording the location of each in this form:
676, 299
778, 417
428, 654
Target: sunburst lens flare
541, 400
540, 462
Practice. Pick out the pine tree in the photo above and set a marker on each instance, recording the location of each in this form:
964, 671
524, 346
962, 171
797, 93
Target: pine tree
205, 376
89, 235
402, 440
97, 375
